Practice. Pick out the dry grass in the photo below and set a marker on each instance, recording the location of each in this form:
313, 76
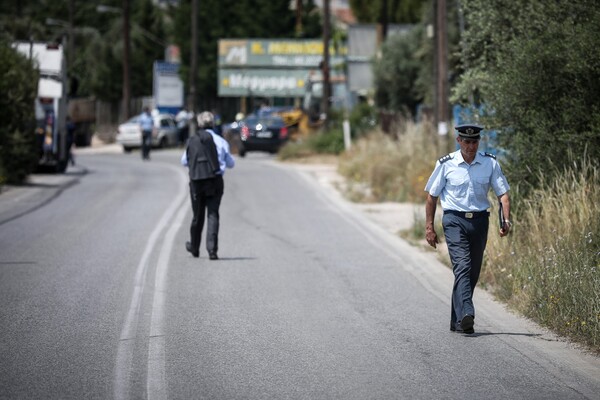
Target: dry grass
550, 267
392, 167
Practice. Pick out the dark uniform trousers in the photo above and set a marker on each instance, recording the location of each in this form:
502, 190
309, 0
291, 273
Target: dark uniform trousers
146, 144
466, 240
206, 197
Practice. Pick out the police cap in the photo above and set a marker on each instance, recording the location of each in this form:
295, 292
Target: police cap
469, 131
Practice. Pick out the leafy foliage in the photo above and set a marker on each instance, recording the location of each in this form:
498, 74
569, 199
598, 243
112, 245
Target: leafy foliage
396, 72
97, 41
18, 85
398, 11
222, 19
535, 64
403, 74
363, 119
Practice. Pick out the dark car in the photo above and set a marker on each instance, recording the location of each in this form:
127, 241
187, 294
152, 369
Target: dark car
266, 133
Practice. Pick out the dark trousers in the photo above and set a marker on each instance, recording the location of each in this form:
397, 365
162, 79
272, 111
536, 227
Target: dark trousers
466, 240
146, 144
206, 197
182, 134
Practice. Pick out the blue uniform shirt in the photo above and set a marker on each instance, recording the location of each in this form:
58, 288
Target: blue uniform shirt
464, 187
146, 122
226, 160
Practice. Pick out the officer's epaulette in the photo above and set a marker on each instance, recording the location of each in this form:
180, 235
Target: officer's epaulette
445, 158
489, 155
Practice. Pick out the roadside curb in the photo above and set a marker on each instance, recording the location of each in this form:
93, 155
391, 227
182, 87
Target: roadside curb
18, 200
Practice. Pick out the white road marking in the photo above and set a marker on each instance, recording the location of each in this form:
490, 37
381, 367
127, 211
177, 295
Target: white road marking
125, 350
156, 379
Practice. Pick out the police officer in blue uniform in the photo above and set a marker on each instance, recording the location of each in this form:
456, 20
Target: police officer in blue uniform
462, 180
146, 126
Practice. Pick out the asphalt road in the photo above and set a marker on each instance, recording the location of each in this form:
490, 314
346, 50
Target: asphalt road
310, 299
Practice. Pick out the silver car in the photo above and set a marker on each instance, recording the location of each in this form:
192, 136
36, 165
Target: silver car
164, 134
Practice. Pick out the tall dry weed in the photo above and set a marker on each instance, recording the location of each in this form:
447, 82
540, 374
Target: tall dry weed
390, 167
549, 268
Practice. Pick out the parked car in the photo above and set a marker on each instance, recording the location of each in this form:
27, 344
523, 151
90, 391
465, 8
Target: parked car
164, 133
266, 133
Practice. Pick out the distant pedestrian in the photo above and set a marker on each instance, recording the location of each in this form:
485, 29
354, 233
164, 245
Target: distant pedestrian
70, 140
183, 125
462, 180
146, 126
206, 156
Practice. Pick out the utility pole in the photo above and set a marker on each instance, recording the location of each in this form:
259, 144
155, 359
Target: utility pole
193, 67
194, 58
299, 28
71, 43
441, 93
126, 62
382, 28
325, 64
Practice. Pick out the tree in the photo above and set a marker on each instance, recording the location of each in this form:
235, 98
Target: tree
535, 64
18, 85
148, 42
404, 73
231, 19
396, 73
398, 11
98, 41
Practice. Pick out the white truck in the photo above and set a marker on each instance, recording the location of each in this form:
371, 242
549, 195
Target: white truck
50, 103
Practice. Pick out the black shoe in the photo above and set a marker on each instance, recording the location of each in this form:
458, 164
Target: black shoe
466, 324
458, 329
213, 256
188, 247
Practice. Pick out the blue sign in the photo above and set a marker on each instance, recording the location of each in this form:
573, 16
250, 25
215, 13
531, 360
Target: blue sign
168, 87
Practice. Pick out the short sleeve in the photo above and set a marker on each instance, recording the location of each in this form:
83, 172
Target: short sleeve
498, 180
436, 181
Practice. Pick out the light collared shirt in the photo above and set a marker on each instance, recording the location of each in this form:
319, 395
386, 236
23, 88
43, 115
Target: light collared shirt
146, 122
464, 187
226, 160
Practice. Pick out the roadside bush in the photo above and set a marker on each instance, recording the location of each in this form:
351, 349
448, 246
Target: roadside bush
549, 269
18, 88
381, 167
331, 142
363, 119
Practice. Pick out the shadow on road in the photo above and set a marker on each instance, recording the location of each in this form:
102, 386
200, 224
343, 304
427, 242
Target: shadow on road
477, 334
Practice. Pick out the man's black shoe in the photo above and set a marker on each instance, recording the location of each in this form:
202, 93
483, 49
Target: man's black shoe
458, 329
466, 324
213, 256
188, 247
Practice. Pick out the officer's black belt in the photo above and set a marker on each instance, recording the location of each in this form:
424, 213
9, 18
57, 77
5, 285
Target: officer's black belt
468, 215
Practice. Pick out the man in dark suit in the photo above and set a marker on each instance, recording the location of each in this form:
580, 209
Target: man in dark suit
206, 156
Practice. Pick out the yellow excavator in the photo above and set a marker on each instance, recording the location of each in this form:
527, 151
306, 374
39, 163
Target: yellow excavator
307, 119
